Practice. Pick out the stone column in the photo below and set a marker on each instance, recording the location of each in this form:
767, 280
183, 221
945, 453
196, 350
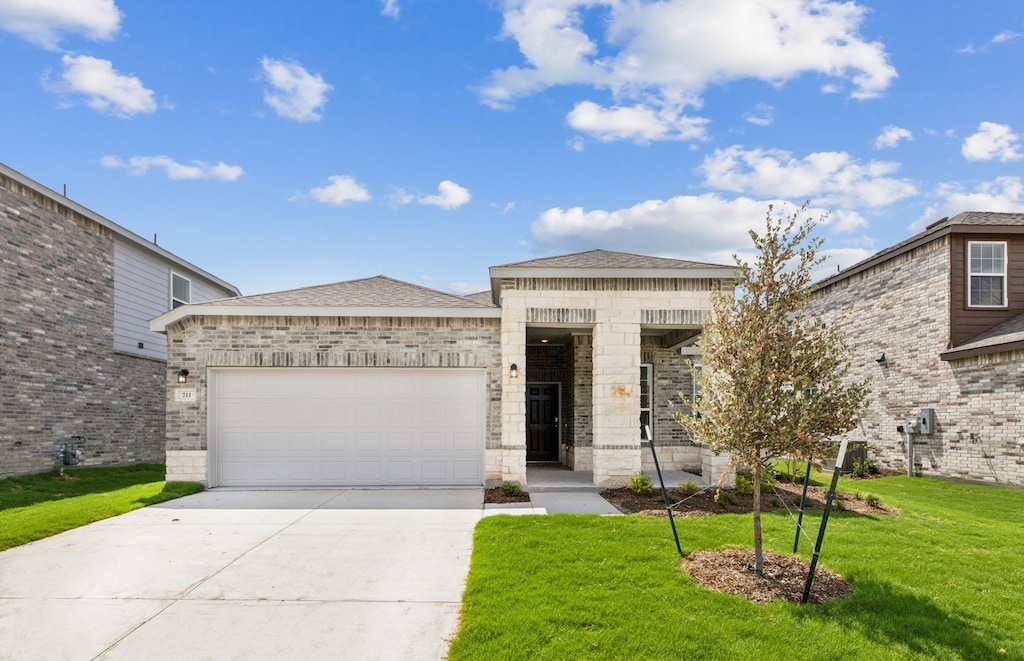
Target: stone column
616, 395
513, 390
583, 386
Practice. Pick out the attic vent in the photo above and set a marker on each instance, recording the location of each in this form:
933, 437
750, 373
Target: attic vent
938, 222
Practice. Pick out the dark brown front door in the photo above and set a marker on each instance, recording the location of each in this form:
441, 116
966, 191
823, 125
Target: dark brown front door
542, 422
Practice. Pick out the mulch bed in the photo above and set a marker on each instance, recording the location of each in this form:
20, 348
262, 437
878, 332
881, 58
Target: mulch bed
496, 495
731, 571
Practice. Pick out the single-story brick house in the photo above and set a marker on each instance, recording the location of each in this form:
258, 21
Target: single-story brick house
77, 357
383, 382
938, 324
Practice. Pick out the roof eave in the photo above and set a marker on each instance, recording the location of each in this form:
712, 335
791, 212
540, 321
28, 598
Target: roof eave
159, 324
114, 227
502, 272
971, 352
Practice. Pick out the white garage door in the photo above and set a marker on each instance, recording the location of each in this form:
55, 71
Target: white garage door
326, 427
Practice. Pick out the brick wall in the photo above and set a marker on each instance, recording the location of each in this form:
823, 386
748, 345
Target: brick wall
59, 372
197, 343
901, 308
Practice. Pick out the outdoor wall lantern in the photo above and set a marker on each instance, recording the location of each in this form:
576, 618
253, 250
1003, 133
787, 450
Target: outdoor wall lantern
183, 375
514, 371
880, 358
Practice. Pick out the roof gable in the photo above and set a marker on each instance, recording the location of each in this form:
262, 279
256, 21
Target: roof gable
598, 259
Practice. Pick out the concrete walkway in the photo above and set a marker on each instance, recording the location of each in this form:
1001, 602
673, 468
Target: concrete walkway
358, 574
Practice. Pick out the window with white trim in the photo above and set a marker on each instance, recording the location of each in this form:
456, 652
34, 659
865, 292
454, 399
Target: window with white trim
181, 290
645, 401
986, 274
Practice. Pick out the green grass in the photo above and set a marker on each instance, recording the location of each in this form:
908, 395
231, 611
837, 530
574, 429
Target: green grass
943, 580
36, 506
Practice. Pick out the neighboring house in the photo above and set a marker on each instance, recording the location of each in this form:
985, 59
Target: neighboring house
378, 381
938, 323
77, 357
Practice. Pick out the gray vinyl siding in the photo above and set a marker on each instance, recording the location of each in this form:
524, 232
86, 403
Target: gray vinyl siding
142, 290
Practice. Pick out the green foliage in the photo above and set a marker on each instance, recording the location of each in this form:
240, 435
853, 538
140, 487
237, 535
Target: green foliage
864, 467
744, 484
510, 489
774, 381
940, 581
688, 488
873, 500
641, 485
724, 498
36, 506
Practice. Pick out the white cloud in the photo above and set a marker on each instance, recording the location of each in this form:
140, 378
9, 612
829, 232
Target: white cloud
140, 165
390, 9
1005, 36
295, 93
450, 195
1003, 194
764, 115
705, 228
577, 144
639, 123
833, 178
400, 196
891, 136
42, 22
342, 190
463, 288
661, 56
992, 141
106, 89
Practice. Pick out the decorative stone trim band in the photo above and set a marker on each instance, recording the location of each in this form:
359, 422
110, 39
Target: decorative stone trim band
673, 317
561, 315
618, 284
512, 447
628, 446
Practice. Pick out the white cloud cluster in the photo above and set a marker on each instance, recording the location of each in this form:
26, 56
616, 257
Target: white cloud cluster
657, 58
294, 92
764, 115
826, 177
106, 89
1003, 194
992, 142
140, 165
1001, 38
449, 196
390, 9
342, 190
42, 22
891, 136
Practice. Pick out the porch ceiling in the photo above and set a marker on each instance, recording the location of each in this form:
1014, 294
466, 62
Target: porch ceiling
668, 336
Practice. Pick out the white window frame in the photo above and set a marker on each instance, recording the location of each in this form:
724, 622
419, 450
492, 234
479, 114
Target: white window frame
971, 274
175, 302
650, 400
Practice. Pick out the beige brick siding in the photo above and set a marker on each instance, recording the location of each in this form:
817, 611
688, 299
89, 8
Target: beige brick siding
901, 308
58, 368
199, 343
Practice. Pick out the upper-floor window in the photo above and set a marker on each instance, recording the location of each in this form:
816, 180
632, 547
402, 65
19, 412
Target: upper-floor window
181, 290
986, 274
645, 402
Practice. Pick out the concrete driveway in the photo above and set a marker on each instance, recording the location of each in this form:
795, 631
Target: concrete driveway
232, 574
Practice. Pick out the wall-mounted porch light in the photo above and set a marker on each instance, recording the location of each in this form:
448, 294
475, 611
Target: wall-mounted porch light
880, 358
514, 371
183, 375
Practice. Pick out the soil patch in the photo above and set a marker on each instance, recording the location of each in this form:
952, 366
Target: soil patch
731, 571
708, 503
496, 495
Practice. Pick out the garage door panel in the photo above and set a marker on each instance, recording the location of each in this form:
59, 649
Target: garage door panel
307, 426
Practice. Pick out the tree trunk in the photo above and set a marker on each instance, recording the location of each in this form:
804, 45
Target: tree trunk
758, 559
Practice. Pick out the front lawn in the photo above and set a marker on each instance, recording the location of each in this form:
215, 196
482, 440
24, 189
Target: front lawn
941, 581
36, 506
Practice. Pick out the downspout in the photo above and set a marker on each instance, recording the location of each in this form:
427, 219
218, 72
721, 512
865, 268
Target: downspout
910, 451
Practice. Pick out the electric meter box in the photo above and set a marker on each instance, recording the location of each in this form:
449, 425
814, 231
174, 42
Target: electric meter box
927, 421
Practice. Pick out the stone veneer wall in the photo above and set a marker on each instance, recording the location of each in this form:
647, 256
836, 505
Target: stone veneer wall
60, 374
198, 343
670, 378
901, 307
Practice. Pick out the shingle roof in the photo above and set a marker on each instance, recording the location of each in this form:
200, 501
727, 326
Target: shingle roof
994, 339
377, 292
595, 259
485, 297
967, 218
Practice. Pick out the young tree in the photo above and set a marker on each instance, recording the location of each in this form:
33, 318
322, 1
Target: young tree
774, 381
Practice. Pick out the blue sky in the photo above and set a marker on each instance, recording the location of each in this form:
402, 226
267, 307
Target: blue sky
279, 145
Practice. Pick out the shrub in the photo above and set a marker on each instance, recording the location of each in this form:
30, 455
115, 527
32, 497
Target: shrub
511, 489
865, 467
724, 498
688, 488
744, 484
873, 500
640, 484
